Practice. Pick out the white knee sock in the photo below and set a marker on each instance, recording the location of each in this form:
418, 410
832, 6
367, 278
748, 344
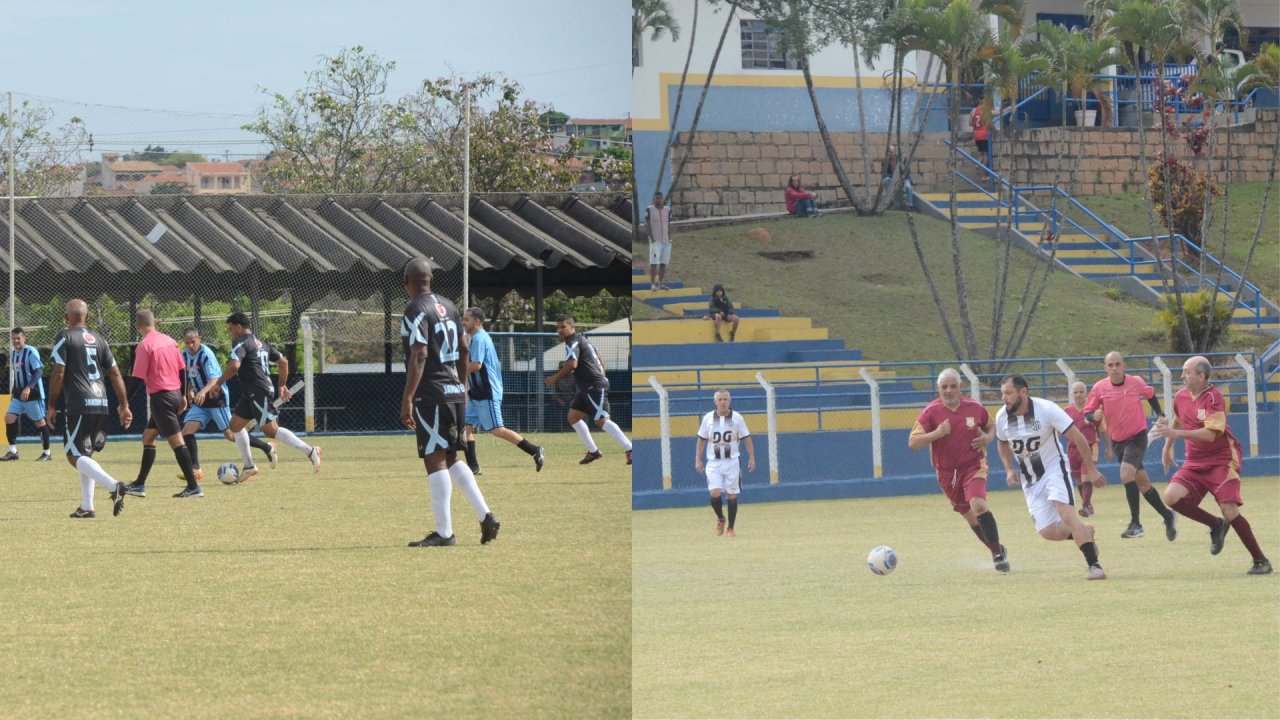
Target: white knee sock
287, 437
90, 467
242, 444
86, 489
616, 433
467, 484
584, 432
441, 489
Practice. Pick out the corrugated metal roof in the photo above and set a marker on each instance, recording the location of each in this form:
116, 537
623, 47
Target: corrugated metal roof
97, 245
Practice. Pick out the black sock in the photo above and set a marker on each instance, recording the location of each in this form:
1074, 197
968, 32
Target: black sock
1090, 553
148, 458
471, 455
192, 448
733, 511
1153, 496
716, 505
987, 522
261, 444
44, 436
184, 461
12, 430
528, 447
1131, 494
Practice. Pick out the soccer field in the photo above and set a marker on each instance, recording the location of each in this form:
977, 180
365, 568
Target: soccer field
294, 594
786, 620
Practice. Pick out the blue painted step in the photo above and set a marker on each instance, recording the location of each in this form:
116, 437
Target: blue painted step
672, 284
675, 299
803, 356
737, 353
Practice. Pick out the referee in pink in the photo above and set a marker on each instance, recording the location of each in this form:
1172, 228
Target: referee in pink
1117, 398
159, 364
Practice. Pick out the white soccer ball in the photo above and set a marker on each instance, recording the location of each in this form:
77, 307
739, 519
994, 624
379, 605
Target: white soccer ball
882, 560
228, 473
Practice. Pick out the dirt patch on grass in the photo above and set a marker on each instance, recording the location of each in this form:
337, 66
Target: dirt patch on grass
787, 255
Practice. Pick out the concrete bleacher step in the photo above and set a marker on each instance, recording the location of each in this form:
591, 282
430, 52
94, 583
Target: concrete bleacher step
809, 356
687, 425
740, 312
648, 286
686, 354
747, 375
664, 332
656, 297
776, 334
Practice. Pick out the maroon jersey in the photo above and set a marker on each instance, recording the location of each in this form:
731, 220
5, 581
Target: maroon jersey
1206, 410
953, 450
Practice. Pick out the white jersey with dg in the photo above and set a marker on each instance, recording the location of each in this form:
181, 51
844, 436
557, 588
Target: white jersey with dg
722, 434
1041, 463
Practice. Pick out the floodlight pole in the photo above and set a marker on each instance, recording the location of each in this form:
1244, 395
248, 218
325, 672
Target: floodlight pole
466, 198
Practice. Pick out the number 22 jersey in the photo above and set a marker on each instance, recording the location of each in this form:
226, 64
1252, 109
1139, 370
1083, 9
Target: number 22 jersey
433, 321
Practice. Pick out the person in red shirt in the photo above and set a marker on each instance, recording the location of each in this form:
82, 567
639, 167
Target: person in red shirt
1075, 411
957, 431
159, 364
1212, 462
1117, 400
800, 202
980, 132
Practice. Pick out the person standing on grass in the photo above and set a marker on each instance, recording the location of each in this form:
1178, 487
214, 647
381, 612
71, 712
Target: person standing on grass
28, 396
484, 390
658, 220
957, 431
1117, 400
159, 364
1212, 461
718, 438
1029, 430
80, 357
1075, 411
434, 401
587, 367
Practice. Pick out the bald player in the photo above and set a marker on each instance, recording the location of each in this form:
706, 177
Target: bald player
159, 364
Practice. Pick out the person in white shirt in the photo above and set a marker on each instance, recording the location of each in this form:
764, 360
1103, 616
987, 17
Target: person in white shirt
718, 438
1028, 430
659, 222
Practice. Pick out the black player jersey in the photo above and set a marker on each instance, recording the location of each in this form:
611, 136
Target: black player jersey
433, 321
588, 372
85, 358
255, 357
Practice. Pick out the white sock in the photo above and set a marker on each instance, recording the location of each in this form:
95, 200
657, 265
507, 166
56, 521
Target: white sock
91, 468
616, 433
242, 444
287, 437
13, 448
584, 432
467, 484
441, 489
86, 489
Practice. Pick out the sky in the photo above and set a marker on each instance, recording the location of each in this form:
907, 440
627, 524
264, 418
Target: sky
213, 58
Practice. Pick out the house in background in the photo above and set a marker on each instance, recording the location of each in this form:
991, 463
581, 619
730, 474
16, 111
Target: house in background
598, 133
124, 175
218, 178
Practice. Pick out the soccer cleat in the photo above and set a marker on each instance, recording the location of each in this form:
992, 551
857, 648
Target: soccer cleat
732, 334
1260, 567
82, 513
1001, 560
628, 457
1171, 526
273, 456
539, 458
718, 338
135, 490
730, 533
1218, 536
314, 457
195, 471
117, 498
11, 455
45, 456
246, 473
1096, 573
590, 457
1133, 531
489, 529
720, 527
433, 539
1086, 511
477, 470
191, 492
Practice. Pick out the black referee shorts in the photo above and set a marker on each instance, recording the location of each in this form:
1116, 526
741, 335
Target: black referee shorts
165, 416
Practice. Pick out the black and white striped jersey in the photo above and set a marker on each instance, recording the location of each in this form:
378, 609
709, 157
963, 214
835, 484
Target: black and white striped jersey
1035, 439
722, 434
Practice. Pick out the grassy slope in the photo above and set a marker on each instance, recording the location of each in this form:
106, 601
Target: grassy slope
294, 595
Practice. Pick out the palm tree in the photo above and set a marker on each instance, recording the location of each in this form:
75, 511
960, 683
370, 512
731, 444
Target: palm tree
1210, 20
655, 17
1074, 57
1262, 71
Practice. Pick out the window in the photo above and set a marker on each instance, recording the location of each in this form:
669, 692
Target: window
762, 48
225, 182
204, 182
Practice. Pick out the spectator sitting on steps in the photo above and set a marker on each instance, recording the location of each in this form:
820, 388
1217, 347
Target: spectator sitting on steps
720, 311
800, 202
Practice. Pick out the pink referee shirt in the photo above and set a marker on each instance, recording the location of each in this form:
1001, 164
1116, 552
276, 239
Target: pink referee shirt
1121, 405
159, 363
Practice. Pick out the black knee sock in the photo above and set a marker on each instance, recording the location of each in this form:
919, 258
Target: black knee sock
263, 445
987, 522
1153, 496
184, 461
1131, 494
148, 458
471, 455
44, 436
192, 448
733, 511
716, 505
12, 430
528, 447
1090, 553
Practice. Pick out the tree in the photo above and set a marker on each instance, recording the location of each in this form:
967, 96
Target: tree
45, 156
169, 188
1073, 58
553, 121
655, 18
613, 167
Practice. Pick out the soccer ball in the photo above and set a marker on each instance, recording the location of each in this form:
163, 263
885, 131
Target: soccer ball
228, 473
882, 560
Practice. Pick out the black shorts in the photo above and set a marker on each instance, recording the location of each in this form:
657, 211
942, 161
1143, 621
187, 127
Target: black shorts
85, 434
1131, 450
593, 401
256, 405
165, 415
439, 423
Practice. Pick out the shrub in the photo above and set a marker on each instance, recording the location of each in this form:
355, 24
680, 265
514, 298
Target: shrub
1197, 307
